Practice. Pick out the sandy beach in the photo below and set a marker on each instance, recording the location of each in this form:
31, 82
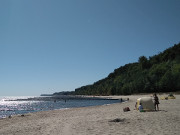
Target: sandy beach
98, 120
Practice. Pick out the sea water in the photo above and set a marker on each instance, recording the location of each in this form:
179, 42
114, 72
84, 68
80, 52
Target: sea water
11, 106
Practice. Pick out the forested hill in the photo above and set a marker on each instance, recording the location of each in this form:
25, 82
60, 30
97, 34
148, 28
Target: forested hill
159, 73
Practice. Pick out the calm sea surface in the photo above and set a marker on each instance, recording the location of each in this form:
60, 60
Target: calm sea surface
8, 107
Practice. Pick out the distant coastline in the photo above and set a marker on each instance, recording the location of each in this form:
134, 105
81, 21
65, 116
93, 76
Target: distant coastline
46, 95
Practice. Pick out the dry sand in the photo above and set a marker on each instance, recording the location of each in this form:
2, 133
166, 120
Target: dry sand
96, 120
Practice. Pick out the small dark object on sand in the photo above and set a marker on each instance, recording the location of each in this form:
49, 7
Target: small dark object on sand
126, 109
9, 116
117, 120
22, 115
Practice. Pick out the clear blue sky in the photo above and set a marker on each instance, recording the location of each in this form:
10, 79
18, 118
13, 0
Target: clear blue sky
48, 46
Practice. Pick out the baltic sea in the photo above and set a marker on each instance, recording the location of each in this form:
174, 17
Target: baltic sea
21, 105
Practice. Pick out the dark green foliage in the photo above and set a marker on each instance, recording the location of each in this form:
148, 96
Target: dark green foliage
64, 93
143, 61
159, 73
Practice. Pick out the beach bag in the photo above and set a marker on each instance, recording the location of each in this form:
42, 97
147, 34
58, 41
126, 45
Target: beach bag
126, 109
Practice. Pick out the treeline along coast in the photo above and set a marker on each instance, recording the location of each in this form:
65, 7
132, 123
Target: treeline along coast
158, 73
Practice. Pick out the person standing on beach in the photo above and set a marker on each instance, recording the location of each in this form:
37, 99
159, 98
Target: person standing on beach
156, 102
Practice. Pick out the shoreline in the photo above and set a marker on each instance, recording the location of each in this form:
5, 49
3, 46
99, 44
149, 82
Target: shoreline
73, 102
98, 120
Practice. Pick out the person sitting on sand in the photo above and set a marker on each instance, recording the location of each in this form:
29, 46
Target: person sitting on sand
156, 102
140, 107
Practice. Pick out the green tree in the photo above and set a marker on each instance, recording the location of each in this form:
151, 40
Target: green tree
144, 63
